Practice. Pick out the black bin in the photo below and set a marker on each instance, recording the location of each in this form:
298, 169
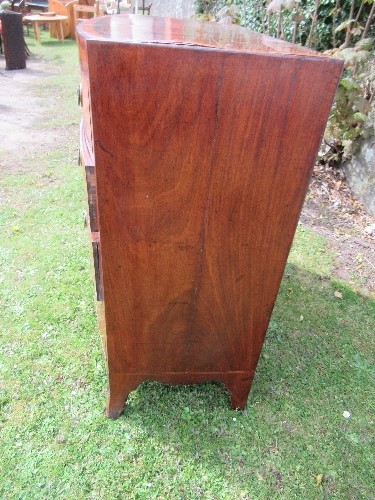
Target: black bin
14, 42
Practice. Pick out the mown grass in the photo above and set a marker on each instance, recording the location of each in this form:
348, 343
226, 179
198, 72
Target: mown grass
172, 442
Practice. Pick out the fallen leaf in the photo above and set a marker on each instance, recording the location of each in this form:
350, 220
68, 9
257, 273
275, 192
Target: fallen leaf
338, 294
301, 318
319, 479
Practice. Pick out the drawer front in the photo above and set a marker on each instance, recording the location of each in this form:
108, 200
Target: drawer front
91, 197
88, 167
97, 267
87, 120
92, 213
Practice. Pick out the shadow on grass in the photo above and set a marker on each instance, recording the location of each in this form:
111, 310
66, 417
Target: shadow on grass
314, 365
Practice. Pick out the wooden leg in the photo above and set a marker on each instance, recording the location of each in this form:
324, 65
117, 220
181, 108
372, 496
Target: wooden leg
119, 387
121, 384
36, 31
239, 387
115, 402
60, 31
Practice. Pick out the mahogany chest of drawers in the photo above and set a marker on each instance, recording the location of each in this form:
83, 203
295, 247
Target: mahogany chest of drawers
197, 142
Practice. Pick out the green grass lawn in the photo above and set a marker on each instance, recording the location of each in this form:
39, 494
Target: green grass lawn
172, 442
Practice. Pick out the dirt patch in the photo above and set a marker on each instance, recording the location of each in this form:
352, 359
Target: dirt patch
330, 208
21, 114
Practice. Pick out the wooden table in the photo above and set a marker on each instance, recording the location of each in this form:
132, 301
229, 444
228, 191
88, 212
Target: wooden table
37, 19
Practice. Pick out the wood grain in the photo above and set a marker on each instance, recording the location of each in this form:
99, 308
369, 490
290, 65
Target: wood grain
63, 8
202, 160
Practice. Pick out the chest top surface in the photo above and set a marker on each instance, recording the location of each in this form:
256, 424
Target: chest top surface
134, 29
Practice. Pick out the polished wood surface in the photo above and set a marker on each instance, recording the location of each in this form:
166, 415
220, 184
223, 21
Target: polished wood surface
166, 31
204, 137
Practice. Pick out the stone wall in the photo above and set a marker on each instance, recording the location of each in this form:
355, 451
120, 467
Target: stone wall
360, 174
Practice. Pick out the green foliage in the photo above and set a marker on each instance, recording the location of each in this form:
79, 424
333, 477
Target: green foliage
293, 20
353, 111
342, 27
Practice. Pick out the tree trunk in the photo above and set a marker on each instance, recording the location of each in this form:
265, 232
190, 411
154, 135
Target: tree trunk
348, 35
280, 24
296, 25
334, 19
368, 22
313, 23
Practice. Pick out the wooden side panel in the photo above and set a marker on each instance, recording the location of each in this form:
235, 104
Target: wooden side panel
272, 113
204, 159
153, 142
202, 163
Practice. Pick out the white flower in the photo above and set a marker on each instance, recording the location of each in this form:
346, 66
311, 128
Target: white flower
346, 414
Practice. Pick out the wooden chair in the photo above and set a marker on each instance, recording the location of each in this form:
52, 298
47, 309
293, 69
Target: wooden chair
63, 8
85, 11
